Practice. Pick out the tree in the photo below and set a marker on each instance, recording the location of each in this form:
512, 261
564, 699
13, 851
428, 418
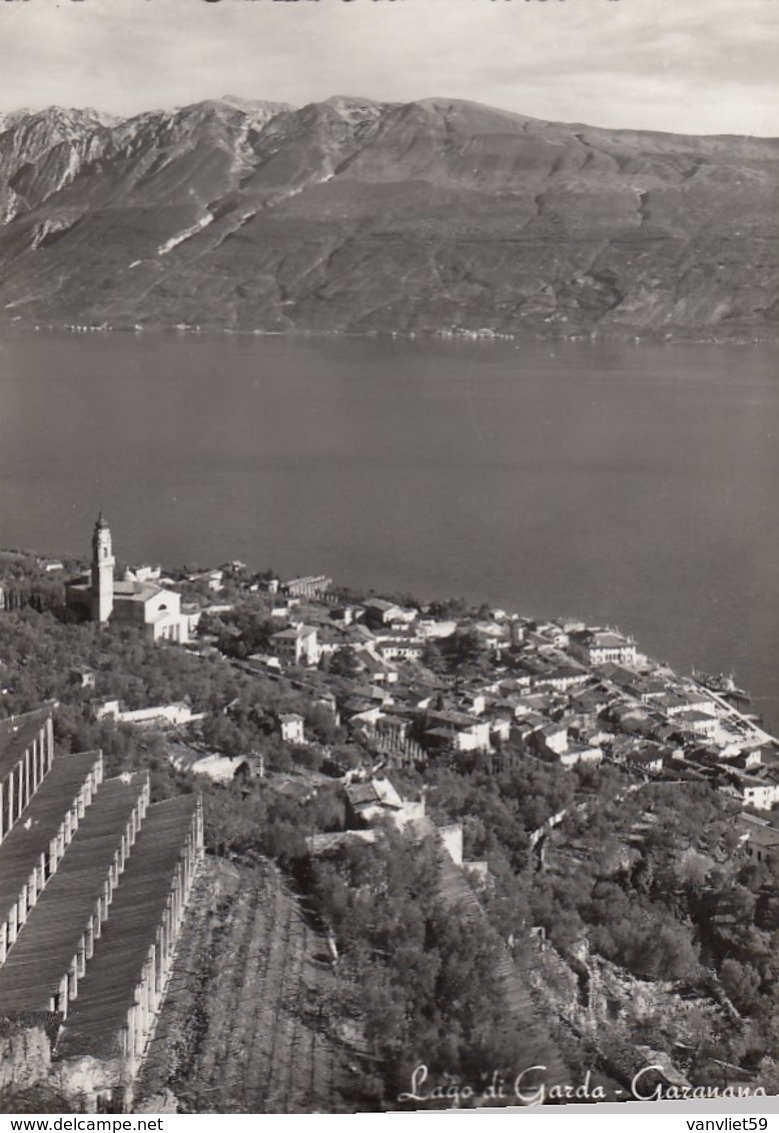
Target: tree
306, 756
320, 721
345, 663
283, 841
742, 984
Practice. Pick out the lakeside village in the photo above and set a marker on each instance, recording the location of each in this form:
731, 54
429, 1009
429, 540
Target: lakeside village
600, 832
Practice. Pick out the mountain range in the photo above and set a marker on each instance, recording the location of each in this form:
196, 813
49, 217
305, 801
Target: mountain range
355, 216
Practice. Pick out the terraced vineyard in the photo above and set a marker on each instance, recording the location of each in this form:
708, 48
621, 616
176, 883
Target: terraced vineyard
245, 1026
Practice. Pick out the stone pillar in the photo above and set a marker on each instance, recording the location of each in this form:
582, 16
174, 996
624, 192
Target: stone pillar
130, 1032
161, 966
63, 997
49, 742
140, 1027
153, 976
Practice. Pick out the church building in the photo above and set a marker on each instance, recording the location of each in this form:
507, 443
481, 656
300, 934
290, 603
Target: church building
130, 601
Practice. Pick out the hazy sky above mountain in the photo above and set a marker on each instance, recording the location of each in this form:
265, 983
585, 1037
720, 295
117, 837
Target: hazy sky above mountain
692, 66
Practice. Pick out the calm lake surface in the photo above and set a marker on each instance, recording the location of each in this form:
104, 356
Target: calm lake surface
635, 486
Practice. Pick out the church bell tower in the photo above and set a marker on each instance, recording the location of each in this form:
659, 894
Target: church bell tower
102, 572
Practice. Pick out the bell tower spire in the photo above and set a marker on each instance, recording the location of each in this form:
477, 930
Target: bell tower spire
102, 572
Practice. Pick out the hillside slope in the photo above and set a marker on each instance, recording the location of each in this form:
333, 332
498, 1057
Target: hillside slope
355, 216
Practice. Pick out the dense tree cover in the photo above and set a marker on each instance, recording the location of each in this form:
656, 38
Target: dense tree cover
449, 608
38, 654
237, 821
355, 596
649, 875
671, 905
652, 881
244, 630
461, 655
634, 888
424, 974
501, 806
25, 583
40, 1098
344, 663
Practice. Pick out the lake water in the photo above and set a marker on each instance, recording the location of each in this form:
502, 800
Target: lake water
627, 485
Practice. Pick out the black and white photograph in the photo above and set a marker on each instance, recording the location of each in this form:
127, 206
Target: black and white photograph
389, 583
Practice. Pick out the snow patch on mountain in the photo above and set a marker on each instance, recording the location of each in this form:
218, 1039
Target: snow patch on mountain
187, 233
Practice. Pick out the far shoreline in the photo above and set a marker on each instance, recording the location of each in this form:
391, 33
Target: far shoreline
630, 337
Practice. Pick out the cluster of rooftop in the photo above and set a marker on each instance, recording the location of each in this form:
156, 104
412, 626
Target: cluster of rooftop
557, 691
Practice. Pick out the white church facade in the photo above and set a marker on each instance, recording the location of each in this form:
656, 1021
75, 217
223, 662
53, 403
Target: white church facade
131, 601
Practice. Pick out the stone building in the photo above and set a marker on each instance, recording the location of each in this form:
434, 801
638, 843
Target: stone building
292, 728
132, 601
297, 645
94, 882
601, 646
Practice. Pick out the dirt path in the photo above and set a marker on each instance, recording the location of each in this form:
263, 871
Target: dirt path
244, 1027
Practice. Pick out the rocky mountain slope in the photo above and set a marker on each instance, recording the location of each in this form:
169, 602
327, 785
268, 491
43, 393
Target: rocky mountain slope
355, 216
